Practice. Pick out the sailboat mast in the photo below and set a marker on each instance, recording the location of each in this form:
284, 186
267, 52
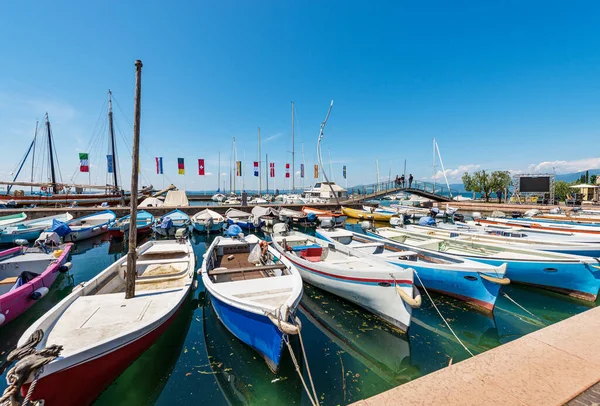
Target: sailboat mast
259, 177
51, 152
135, 155
267, 171
112, 140
234, 165
434, 166
33, 156
219, 177
303, 164
377, 165
293, 155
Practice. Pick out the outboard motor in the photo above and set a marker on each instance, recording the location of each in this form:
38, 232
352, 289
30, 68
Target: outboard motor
327, 223
366, 225
281, 229
459, 217
426, 221
167, 223
397, 221
434, 211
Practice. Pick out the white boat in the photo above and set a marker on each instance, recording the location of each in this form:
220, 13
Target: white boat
508, 238
326, 192
101, 332
208, 221
476, 283
254, 292
258, 200
219, 197
381, 288
245, 220
570, 274
168, 224
89, 226
268, 215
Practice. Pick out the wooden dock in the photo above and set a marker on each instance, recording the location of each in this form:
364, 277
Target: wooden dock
556, 365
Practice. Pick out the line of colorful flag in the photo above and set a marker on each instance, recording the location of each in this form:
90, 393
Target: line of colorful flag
180, 166
84, 162
316, 171
200, 166
272, 169
238, 168
255, 168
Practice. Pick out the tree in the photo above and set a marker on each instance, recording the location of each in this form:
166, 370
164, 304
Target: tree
593, 179
486, 183
561, 189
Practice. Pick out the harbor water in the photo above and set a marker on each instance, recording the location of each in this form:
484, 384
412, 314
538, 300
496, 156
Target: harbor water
352, 354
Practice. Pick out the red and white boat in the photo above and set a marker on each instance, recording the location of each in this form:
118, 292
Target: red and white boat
101, 332
335, 218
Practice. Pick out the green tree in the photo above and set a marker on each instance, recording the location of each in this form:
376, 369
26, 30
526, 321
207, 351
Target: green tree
593, 179
486, 183
561, 189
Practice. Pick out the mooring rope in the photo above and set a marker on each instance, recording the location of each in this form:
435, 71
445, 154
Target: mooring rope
522, 308
314, 399
440, 314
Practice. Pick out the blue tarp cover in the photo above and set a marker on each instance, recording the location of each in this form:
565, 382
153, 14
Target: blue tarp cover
166, 222
234, 230
426, 221
60, 228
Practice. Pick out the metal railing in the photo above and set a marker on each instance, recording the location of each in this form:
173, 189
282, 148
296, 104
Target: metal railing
391, 186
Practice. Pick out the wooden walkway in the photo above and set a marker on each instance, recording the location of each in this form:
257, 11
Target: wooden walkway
556, 365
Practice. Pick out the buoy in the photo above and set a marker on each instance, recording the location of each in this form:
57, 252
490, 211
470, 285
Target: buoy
2, 319
66, 267
39, 293
57, 253
195, 285
414, 302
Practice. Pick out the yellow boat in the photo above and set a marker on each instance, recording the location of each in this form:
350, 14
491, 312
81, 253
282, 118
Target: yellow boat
365, 215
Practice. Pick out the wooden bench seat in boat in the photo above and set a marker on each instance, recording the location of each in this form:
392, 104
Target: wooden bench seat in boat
224, 271
369, 245
398, 254
11, 280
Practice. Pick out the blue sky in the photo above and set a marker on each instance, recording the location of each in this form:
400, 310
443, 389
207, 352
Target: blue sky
506, 85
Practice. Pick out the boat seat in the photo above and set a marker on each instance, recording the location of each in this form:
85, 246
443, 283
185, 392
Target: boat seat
11, 280
224, 271
370, 244
312, 254
305, 247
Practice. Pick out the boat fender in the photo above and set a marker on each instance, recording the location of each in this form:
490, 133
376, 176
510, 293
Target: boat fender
57, 253
2, 319
21, 241
494, 279
415, 301
284, 326
39, 293
195, 285
95, 229
66, 267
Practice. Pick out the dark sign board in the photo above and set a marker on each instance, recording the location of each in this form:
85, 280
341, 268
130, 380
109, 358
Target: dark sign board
538, 184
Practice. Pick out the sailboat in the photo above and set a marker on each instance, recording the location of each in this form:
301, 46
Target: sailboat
55, 191
103, 325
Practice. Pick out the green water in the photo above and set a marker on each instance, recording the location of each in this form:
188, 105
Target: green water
352, 354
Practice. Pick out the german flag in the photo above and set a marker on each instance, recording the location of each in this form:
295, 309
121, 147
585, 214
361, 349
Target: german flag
180, 166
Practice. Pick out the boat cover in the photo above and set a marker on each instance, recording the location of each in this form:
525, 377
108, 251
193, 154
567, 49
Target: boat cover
166, 223
426, 221
264, 211
59, 228
151, 202
176, 198
234, 230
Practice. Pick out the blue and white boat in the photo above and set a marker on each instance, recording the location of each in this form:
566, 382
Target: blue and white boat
89, 226
247, 221
254, 292
168, 224
119, 229
477, 284
208, 221
29, 230
574, 275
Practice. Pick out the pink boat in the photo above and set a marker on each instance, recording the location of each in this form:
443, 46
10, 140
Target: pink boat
26, 275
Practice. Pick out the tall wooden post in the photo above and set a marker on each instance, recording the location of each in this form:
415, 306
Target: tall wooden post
131, 254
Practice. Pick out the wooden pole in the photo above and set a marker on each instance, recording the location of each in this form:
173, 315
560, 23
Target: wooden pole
131, 253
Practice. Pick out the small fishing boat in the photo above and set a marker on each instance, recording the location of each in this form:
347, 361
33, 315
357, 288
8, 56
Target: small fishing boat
101, 332
539, 225
476, 283
510, 238
254, 292
368, 215
89, 226
168, 224
208, 221
12, 219
218, 197
381, 288
296, 216
268, 215
326, 215
30, 229
120, 228
573, 275
26, 276
245, 220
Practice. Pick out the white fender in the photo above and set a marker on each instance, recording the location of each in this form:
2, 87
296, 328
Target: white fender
39, 293
2, 319
493, 279
415, 301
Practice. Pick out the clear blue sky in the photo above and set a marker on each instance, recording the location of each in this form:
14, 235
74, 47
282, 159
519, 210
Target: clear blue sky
506, 85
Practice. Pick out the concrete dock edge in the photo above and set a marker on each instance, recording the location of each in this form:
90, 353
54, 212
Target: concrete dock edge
551, 366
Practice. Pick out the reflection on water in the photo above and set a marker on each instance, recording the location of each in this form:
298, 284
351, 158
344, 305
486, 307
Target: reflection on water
352, 354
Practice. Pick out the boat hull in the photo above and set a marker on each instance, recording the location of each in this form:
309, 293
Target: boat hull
576, 279
83, 234
255, 330
94, 375
16, 302
29, 235
118, 233
214, 228
376, 295
246, 225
